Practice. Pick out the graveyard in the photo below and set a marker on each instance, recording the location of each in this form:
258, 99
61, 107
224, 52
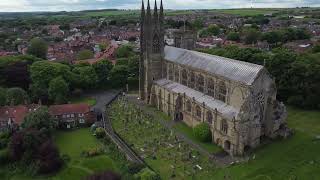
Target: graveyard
161, 149
174, 159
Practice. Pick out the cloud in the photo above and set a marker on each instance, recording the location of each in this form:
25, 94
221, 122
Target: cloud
75, 5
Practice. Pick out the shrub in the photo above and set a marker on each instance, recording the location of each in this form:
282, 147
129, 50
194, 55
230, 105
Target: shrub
202, 132
104, 175
92, 152
48, 158
147, 174
134, 168
100, 133
4, 139
4, 157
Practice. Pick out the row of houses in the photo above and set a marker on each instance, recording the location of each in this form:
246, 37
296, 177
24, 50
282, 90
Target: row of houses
68, 116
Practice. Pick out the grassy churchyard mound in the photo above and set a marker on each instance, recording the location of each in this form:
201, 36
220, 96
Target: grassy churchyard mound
293, 158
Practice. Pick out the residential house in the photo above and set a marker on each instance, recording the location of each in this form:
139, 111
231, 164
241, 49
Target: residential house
72, 115
11, 117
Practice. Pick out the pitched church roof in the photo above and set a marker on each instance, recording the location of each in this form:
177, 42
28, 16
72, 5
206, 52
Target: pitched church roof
229, 68
226, 111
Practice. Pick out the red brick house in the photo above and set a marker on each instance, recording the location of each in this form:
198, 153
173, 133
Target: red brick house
13, 116
72, 115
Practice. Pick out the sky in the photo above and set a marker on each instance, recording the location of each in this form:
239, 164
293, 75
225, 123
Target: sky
77, 5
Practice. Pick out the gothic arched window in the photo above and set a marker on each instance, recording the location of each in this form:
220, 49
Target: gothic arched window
156, 44
184, 77
222, 91
176, 74
198, 112
209, 117
211, 87
192, 80
170, 72
224, 126
188, 106
200, 83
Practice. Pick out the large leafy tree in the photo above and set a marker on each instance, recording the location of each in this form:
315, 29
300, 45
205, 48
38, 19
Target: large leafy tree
43, 72
16, 96
14, 70
40, 119
38, 48
58, 90
119, 75
124, 51
86, 77
251, 36
102, 69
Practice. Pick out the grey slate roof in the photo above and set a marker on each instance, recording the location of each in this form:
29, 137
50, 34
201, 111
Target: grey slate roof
227, 111
235, 70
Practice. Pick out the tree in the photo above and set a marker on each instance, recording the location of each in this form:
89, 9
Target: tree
85, 54
272, 37
233, 36
48, 158
316, 49
3, 96
214, 30
102, 69
43, 72
40, 120
16, 96
147, 174
197, 24
58, 90
107, 175
119, 75
202, 132
100, 133
86, 77
124, 51
251, 36
38, 48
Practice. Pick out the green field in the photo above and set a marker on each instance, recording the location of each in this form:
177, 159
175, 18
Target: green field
72, 143
88, 100
245, 12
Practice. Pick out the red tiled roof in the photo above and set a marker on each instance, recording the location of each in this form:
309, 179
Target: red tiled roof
69, 108
16, 113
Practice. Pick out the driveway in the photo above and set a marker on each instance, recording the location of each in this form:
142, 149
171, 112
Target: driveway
103, 98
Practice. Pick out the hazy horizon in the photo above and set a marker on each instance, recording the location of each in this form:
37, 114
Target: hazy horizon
81, 5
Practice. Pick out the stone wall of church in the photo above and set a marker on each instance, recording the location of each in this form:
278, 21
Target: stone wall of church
232, 93
193, 113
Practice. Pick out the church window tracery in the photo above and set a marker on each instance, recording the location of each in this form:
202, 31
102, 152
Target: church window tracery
222, 92
200, 83
184, 77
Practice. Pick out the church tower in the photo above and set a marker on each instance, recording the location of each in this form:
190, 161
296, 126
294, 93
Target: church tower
152, 48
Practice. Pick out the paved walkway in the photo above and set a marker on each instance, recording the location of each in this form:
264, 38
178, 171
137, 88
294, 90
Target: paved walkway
104, 98
221, 159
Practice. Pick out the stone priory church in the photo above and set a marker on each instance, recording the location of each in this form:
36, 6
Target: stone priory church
237, 99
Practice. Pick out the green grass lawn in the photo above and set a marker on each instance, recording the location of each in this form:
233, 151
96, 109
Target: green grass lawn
294, 158
88, 100
72, 143
188, 131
